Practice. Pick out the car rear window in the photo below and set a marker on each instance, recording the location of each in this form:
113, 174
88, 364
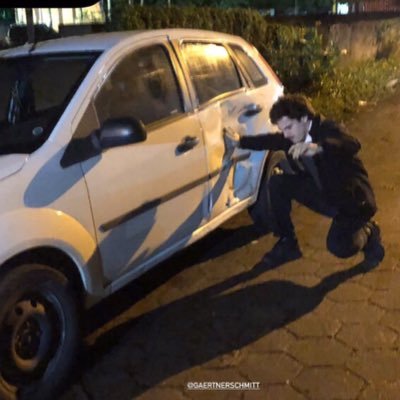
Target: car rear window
250, 66
212, 70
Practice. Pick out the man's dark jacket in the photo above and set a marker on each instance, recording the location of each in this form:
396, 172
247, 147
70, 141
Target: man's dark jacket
343, 176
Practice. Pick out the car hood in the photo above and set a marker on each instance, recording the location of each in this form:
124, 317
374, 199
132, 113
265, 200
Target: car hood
11, 163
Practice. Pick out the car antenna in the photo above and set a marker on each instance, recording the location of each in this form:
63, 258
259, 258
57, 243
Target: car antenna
33, 47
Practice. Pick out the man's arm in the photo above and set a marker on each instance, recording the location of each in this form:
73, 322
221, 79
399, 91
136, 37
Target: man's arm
265, 142
305, 149
336, 141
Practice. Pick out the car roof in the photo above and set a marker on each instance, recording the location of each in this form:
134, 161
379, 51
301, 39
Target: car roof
107, 40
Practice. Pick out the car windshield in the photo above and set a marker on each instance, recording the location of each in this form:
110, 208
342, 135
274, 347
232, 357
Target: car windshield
35, 90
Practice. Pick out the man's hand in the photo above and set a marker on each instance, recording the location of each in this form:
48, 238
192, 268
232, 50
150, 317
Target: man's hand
232, 136
304, 149
231, 141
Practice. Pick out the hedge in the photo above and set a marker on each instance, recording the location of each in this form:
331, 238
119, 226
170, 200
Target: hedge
297, 53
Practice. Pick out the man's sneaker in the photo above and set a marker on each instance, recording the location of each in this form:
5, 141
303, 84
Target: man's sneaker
285, 249
374, 252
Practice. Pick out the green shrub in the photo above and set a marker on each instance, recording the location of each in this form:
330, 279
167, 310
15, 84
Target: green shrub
296, 53
388, 38
344, 91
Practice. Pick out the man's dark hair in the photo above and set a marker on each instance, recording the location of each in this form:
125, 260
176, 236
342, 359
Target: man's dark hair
293, 106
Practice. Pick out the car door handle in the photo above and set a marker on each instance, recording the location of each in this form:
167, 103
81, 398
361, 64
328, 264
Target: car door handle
187, 143
252, 109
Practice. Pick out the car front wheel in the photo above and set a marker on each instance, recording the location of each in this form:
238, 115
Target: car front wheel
39, 332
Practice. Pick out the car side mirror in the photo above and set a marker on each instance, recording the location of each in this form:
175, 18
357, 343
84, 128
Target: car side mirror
113, 132
121, 131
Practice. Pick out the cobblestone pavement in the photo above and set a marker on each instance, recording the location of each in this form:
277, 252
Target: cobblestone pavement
316, 328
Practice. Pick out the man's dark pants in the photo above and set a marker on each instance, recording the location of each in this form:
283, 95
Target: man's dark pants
346, 236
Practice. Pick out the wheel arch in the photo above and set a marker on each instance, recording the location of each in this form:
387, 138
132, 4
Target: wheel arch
87, 289
260, 210
53, 258
261, 175
52, 237
271, 158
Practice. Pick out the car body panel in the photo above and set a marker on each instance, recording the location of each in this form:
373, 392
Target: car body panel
44, 205
119, 213
163, 191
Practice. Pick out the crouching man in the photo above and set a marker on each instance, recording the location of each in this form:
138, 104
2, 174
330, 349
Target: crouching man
327, 171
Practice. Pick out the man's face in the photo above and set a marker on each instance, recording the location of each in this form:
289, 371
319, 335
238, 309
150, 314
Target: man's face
293, 129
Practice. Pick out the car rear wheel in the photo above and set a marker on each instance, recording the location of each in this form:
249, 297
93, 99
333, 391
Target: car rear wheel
39, 332
260, 211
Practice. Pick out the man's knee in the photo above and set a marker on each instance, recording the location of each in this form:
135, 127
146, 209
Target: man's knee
341, 249
345, 238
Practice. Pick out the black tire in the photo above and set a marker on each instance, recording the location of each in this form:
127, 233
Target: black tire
39, 333
260, 211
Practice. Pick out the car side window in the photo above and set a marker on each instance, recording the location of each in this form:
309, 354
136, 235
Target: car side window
250, 66
142, 86
35, 91
211, 69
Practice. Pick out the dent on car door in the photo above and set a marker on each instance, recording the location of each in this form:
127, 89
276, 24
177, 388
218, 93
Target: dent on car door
146, 197
222, 100
263, 89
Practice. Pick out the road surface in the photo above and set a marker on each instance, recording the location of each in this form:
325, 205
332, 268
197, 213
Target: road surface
316, 328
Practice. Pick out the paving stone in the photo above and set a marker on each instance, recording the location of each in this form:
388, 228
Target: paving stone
349, 292
302, 279
323, 309
227, 266
311, 256
319, 351
367, 336
309, 250
274, 326
274, 392
332, 265
275, 341
391, 260
303, 267
314, 325
214, 395
318, 254
158, 368
207, 375
190, 283
382, 392
376, 366
254, 319
380, 280
163, 393
232, 359
270, 368
389, 300
356, 312
391, 319
274, 274
290, 268
325, 383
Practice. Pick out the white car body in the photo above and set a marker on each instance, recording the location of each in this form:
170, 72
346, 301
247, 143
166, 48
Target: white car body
119, 213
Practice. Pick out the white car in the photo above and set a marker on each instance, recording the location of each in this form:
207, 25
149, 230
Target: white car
112, 158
